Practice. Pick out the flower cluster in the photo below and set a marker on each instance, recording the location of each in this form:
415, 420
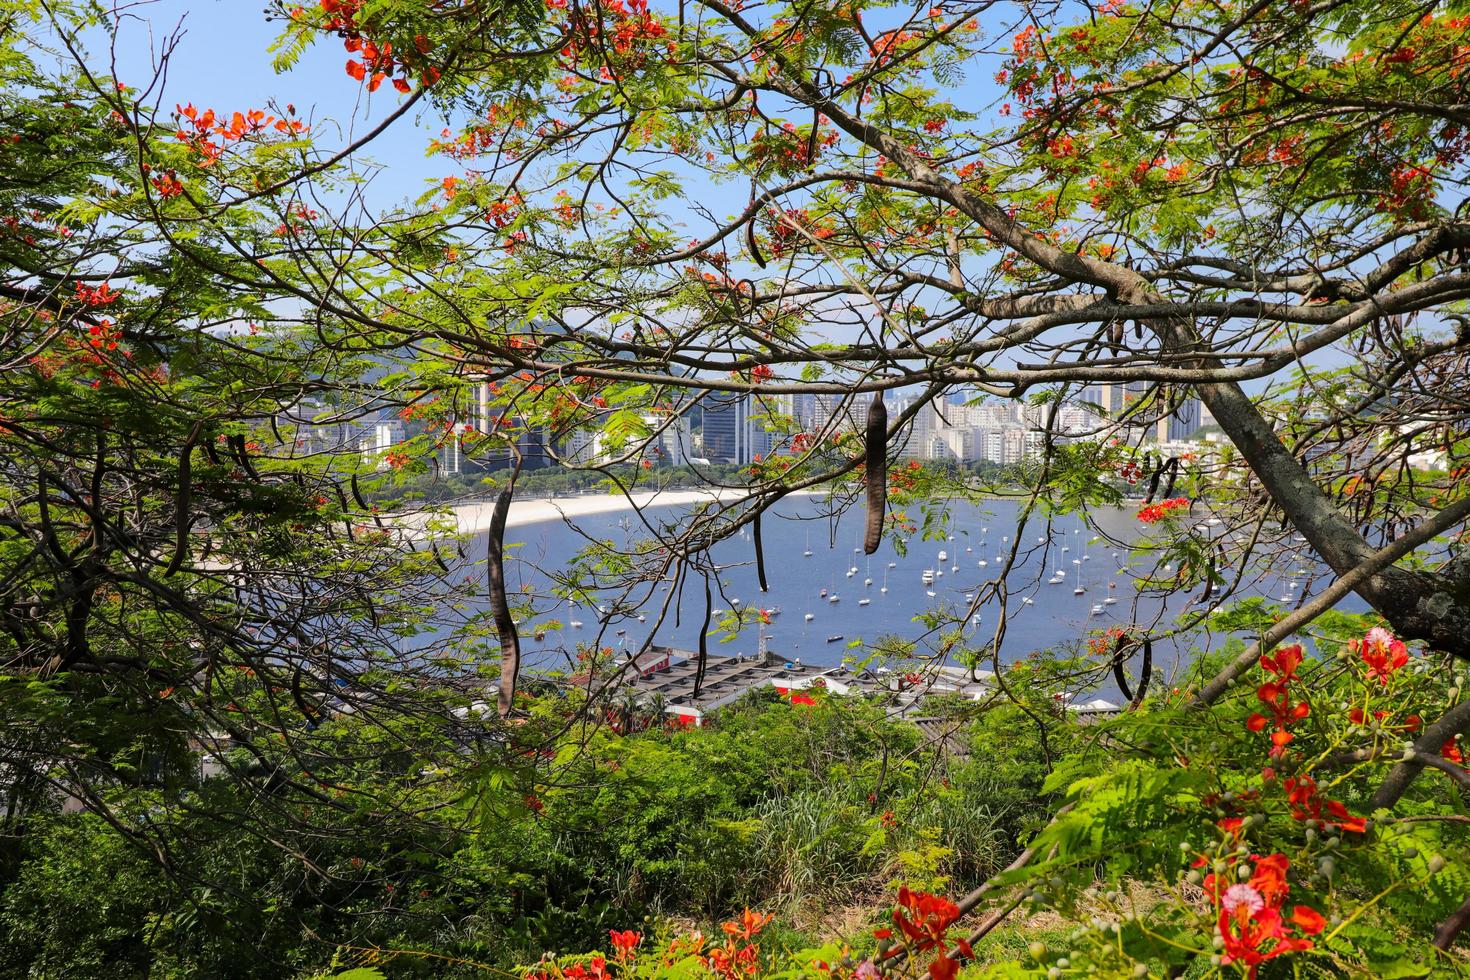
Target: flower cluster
374, 61
1154, 513
923, 922
1276, 695
1250, 914
198, 130
1382, 652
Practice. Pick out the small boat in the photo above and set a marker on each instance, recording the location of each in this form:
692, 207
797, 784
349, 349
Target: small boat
1086, 557
943, 555
951, 537
622, 633
773, 612
867, 583
928, 577
823, 593
1028, 601
1066, 548
576, 624
939, 572
1097, 608
1053, 581
969, 597
1041, 540
857, 551
954, 568
1109, 601
893, 564
1078, 591
736, 602
807, 553
834, 638
864, 601
930, 593
1112, 585
851, 572
1076, 561
1059, 573
983, 563
809, 617
884, 589
969, 550
642, 618
834, 597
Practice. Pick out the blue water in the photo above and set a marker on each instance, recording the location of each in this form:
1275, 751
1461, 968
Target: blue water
1053, 618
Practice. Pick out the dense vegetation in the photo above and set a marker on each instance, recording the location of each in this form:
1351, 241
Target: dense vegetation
246, 677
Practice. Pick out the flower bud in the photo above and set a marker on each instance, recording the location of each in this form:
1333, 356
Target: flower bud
1436, 864
1037, 950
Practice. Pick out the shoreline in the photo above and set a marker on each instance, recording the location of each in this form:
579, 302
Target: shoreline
473, 518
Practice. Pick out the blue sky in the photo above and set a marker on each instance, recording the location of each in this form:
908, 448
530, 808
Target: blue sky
223, 62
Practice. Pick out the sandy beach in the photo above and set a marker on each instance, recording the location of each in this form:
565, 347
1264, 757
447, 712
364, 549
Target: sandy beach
473, 518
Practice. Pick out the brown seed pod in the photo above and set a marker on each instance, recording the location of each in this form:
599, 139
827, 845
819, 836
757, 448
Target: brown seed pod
181, 502
1145, 675
1173, 467
755, 251
505, 627
760, 553
709, 610
1120, 645
877, 472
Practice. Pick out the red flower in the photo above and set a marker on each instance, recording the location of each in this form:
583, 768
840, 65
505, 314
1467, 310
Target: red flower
624, 942
1164, 508
1250, 920
1383, 653
924, 918
943, 968
750, 923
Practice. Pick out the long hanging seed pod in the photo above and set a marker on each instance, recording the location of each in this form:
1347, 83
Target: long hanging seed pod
1173, 467
709, 609
760, 552
181, 503
1145, 675
510, 641
877, 471
1119, 645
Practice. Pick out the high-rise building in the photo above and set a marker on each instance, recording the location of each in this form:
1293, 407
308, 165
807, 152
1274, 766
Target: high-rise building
494, 454
1115, 399
734, 428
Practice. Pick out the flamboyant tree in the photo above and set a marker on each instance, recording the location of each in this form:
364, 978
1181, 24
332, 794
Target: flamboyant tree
1261, 205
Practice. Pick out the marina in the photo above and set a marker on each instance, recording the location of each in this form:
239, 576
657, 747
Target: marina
808, 555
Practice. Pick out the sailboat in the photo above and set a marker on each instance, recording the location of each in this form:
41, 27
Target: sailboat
808, 552
868, 579
884, 589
